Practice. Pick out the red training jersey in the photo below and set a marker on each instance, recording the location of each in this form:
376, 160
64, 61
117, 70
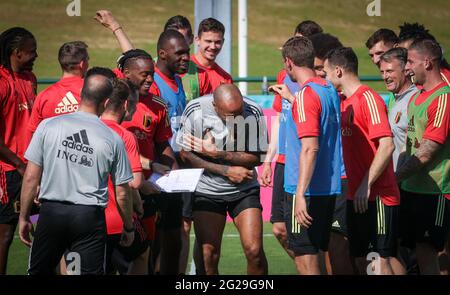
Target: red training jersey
114, 223
278, 107
61, 98
438, 114
363, 121
17, 95
445, 74
216, 74
306, 110
150, 125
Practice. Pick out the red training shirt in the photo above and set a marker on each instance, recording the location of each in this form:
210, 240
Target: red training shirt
17, 95
216, 74
114, 223
363, 121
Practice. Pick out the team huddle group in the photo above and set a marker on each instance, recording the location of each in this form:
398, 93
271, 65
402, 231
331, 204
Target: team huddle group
355, 176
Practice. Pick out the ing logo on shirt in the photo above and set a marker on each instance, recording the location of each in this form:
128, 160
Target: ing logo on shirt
147, 121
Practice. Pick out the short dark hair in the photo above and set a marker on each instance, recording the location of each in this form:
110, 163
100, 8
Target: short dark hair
98, 85
210, 25
129, 57
308, 28
108, 73
166, 36
178, 22
428, 47
398, 53
386, 35
416, 31
10, 40
71, 54
121, 92
300, 50
324, 43
413, 31
344, 57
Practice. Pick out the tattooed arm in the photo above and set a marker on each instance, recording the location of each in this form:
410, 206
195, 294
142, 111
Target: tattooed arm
235, 174
422, 157
207, 148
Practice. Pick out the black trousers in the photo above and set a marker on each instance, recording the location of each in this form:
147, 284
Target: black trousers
79, 231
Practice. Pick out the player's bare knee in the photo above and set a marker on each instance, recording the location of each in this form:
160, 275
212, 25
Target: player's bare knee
210, 251
279, 233
253, 252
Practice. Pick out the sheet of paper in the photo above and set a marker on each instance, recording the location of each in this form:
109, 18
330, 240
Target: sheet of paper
182, 180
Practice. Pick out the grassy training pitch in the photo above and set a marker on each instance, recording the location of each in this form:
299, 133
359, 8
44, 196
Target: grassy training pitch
232, 260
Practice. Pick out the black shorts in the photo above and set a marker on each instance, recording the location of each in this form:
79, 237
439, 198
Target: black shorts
128, 254
188, 200
425, 218
376, 230
278, 195
340, 216
309, 241
245, 200
167, 207
79, 229
9, 213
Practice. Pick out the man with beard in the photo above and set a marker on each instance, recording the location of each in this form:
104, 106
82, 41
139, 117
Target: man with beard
173, 60
151, 126
17, 94
225, 134
426, 173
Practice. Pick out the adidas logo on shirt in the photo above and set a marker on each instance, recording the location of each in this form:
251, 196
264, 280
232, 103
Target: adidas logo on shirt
68, 104
78, 141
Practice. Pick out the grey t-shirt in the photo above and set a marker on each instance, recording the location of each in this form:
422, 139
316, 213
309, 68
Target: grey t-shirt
249, 134
398, 119
77, 153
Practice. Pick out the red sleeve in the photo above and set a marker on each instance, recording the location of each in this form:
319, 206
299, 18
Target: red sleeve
36, 113
155, 90
204, 83
375, 114
4, 90
438, 125
229, 78
306, 110
163, 131
278, 100
131, 145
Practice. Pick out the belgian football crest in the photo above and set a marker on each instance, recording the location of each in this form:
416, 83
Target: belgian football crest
147, 121
397, 117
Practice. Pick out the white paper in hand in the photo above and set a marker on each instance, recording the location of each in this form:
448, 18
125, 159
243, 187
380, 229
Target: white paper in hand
182, 180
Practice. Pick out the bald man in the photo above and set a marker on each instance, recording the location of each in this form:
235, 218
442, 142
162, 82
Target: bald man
226, 135
79, 151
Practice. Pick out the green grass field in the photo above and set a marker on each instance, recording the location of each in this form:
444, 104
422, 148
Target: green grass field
232, 260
